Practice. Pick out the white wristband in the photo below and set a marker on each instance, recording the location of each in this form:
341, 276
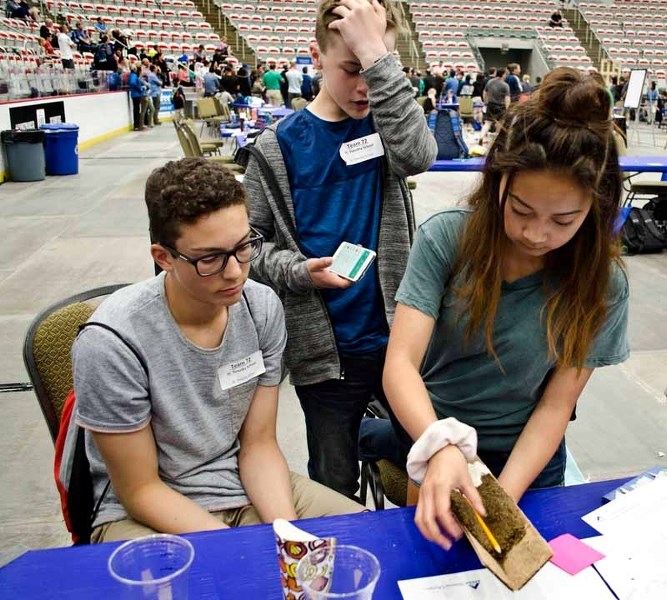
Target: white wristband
438, 435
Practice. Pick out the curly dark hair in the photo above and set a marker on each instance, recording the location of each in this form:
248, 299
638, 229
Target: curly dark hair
183, 190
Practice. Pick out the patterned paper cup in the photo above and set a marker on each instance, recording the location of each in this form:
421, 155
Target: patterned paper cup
293, 544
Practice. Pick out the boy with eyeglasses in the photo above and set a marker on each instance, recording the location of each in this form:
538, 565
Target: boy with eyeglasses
176, 377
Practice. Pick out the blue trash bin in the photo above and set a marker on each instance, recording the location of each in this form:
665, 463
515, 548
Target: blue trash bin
61, 148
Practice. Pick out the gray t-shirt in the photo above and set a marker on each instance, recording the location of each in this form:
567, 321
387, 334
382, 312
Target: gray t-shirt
194, 421
462, 380
496, 91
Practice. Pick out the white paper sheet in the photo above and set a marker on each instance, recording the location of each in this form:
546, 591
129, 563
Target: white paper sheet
634, 568
642, 509
634, 541
551, 583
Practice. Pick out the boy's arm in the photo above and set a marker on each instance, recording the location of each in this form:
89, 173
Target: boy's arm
262, 466
131, 460
283, 269
408, 143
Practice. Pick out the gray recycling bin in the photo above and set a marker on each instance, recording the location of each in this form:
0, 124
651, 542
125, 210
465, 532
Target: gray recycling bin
25, 154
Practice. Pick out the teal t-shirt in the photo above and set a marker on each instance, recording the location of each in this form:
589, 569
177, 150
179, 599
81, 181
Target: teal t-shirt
462, 380
272, 80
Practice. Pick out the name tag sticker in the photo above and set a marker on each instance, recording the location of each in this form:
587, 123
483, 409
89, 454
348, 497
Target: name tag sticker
242, 370
361, 149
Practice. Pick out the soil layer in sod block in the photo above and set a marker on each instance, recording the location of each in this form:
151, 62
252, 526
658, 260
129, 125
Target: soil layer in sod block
523, 551
506, 523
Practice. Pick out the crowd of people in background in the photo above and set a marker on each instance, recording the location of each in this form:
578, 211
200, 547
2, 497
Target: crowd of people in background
219, 74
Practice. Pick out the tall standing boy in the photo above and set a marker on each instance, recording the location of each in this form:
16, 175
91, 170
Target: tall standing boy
337, 331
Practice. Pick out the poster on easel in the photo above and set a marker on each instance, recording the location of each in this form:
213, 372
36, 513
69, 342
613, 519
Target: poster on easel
633, 97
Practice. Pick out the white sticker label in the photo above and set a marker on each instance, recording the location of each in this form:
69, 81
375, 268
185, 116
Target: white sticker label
361, 149
242, 370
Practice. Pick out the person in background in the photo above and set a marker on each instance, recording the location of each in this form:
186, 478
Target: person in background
137, 93
82, 40
284, 86
46, 30
415, 80
306, 85
496, 96
66, 47
145, 69
200, 54
465, 86
155, 83
294, 80
229, 82
163, 69
100, 27
272, 80
316, 84
211, 83
223, 46
178, 100
513, 81
556, 19
243, 78
105, 57
651, 102
184, 76
525, 84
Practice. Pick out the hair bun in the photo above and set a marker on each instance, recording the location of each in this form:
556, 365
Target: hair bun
574, 99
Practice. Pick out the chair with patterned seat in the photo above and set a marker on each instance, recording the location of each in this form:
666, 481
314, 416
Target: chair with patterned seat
47, 350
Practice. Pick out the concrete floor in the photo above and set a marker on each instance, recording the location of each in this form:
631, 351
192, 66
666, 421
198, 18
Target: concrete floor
69, 234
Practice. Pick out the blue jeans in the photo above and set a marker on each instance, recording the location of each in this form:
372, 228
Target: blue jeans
333, 411
378, 439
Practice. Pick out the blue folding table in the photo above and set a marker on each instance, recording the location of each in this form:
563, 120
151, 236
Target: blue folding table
242, 563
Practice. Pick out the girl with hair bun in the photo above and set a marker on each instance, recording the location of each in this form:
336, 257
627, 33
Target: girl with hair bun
509, 304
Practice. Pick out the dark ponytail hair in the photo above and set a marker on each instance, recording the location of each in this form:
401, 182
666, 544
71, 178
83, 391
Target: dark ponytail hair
565, 127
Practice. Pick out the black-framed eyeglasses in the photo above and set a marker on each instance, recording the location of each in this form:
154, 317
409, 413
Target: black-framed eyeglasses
214, 263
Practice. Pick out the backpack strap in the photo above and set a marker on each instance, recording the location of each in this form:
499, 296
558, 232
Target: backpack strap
138, 356
242, 158
283, 368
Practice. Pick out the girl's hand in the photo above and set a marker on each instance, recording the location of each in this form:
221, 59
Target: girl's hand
447, 471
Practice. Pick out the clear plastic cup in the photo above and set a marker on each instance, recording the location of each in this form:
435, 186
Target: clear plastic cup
155, 567
352, 575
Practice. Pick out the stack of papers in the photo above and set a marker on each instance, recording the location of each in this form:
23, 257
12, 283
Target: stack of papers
634, 528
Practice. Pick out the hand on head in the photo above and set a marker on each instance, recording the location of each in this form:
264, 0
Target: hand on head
363, 27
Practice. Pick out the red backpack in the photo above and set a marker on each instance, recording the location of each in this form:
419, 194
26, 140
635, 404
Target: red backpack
71, 468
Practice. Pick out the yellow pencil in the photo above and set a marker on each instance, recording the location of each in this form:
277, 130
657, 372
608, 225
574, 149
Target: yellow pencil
485, 528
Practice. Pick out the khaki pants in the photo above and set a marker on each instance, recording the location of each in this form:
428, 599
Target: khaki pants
310, 500
275, 97
147, 111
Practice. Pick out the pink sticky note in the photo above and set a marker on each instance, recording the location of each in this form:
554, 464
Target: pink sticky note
571, 554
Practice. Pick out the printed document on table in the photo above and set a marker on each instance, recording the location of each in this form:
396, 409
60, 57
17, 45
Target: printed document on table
551, 583
633, 567
640, 510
